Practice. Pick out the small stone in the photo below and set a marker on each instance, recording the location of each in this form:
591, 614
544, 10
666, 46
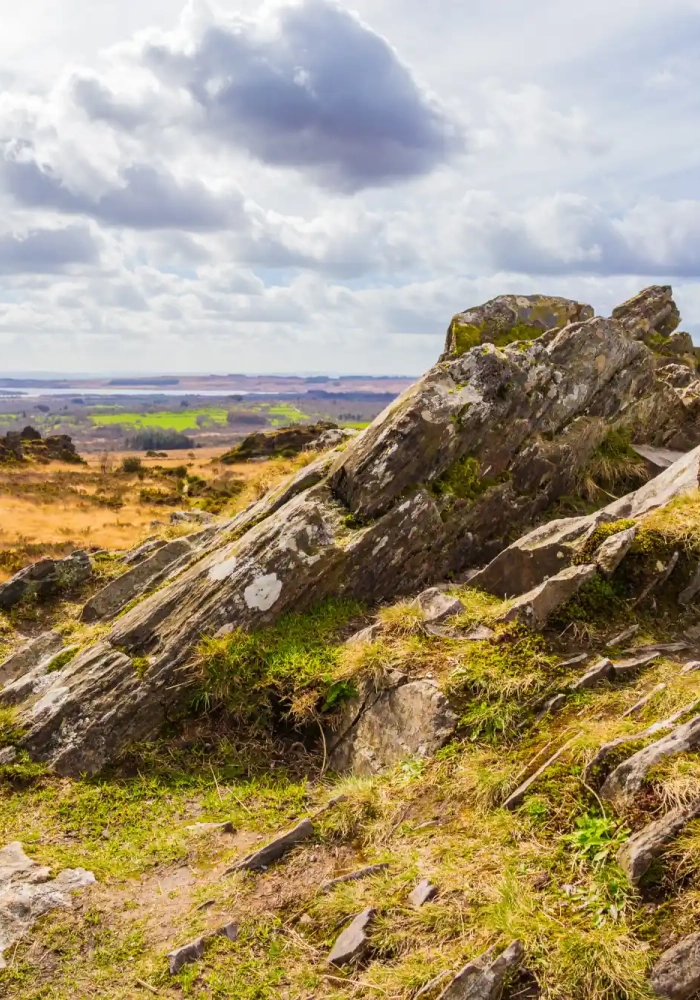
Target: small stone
688, 595
276, 849
437, 606
8, 755
356, 876
634, 663
553, 705
691, 667
614, 549
603, 670
626, 780
535, 607
574, 660
195, 949
676, 976
637, 854
368, 634
484, 977
423, 893
226, 827
353, 942
305, 920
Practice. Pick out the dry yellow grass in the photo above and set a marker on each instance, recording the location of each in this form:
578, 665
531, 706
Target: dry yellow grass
45, 509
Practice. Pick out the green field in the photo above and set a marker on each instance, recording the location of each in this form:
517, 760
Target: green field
176, 420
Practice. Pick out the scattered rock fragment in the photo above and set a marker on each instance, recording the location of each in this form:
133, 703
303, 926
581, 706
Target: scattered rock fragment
553, 705
368, 634
643, 702
637, 854
8, 755
193, 951
623, 636
484, 977
691, 667
423, 893
191, 517
574, 660
658, 647
436, 606
226, 827
535, 607
276, 849
355, 876
353, 942
27, 892
660, 579
623, 667
626, 780
516, 798
614, 549
676, 975
602, 670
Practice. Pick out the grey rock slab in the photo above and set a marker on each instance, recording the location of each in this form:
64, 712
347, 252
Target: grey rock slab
484, 978
108, 602
614, 549
191, 517
226, 827
643, 702
436, 606
413, 719
658, 647
276, 849
617, 640
144, 550
602, 670
192, 952
423, 893
27, 892
676, 975
535, 607
353, 943
8, 755
658, 458
691, 667
553, 705
639, 852
626, 780
362, 873
651, 311
628, 666
30, 655
368, 634
574, 660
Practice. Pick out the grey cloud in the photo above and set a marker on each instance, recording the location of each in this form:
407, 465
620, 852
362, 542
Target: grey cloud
323, 92
146, 198
100, 104
47, 251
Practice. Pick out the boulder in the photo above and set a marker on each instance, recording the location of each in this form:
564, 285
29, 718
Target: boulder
410, 719
45, 578
509, 318
676, 975
535, 607
27, 892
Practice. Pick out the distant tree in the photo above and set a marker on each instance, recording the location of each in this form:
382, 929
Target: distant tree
158, 439
132, 464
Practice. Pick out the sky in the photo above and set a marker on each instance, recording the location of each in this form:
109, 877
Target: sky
310, 186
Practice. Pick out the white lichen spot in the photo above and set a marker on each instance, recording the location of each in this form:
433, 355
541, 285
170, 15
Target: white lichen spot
263, 592
223, 569
380, 545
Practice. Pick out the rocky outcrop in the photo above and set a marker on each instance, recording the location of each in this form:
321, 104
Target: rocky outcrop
284, 442
27, 892
29, 656
650, 312
676, 975
28, 445
431, 488
510, 318
45, 578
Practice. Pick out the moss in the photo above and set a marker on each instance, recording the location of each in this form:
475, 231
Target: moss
140, 665
599, 598
60, 661
614, 469
463, 480
466, 335
10, 733
601, 533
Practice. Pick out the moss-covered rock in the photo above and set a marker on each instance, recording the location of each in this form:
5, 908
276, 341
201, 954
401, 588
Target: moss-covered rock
510, 318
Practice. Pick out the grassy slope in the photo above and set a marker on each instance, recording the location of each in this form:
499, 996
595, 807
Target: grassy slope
545, 873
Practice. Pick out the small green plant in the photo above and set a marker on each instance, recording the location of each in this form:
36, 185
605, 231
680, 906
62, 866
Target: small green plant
463, 480
596, 838
140, 665
132, 465
60, 661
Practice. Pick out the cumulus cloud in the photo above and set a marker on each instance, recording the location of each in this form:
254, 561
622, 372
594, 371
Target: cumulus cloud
47, 251
305, 85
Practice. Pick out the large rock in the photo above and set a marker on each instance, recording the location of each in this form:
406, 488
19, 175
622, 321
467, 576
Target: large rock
27, 892
285, 442
431, 488
650, 312
637, 854
676, 976
45, 579
628, 777
409, 719
509, 318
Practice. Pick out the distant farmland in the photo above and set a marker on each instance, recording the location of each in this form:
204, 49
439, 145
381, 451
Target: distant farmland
187, 419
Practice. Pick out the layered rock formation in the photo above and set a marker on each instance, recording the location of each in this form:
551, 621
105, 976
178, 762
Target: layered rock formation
475, 452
